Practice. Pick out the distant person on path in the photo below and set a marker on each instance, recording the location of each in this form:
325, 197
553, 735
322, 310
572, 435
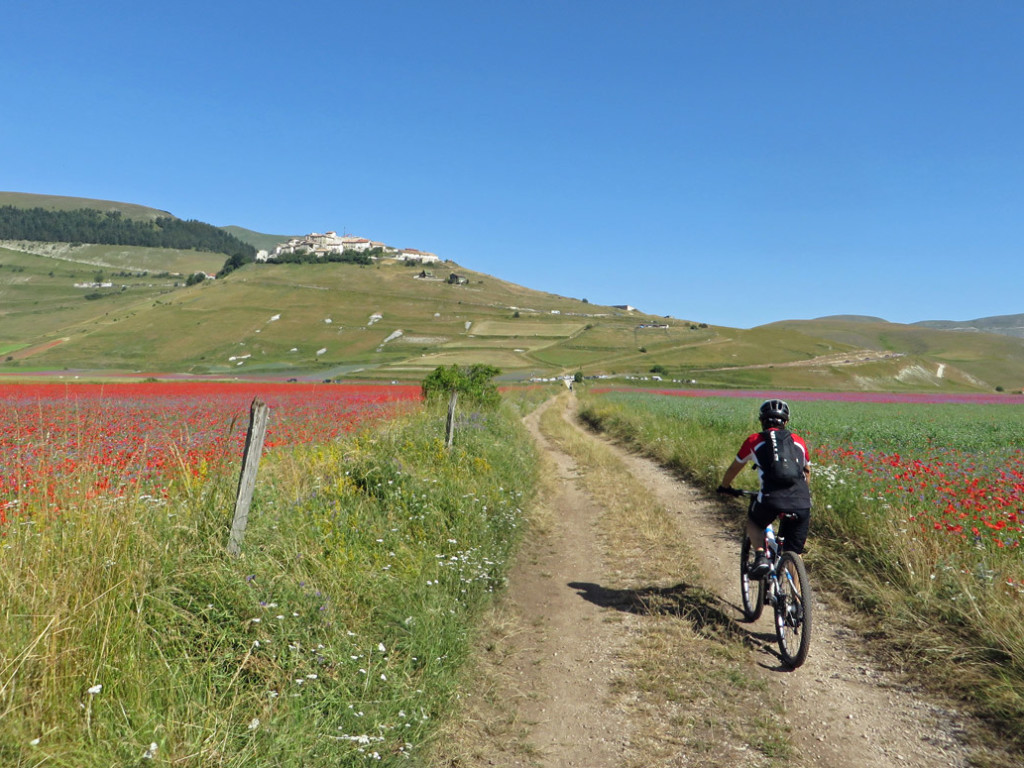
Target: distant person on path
783, 488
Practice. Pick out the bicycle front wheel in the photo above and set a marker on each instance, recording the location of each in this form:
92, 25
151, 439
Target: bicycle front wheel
793, 610
751, 590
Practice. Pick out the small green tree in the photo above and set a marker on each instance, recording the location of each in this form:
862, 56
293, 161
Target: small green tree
473, 383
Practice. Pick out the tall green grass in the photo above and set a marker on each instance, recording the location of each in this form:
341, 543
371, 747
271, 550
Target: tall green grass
949, 606
128, 636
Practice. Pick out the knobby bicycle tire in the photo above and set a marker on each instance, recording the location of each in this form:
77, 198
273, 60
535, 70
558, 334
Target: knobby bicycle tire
753, 597
793, 610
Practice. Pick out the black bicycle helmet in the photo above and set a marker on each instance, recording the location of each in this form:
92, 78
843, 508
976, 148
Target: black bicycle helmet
773, 413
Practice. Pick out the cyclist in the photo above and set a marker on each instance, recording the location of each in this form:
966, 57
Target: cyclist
773, 499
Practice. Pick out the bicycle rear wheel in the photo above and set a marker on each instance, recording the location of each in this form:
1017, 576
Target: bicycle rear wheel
752, 590
793, 610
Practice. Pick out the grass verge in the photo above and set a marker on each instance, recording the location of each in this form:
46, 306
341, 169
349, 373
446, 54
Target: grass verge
127, 634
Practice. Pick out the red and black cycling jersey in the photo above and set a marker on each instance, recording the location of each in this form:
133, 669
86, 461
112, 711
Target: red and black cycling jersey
757, 448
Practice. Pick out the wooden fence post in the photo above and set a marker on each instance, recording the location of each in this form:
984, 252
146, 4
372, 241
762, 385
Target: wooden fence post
450, 426
259, 414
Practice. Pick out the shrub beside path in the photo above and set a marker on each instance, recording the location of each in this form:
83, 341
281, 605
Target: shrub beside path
620, 642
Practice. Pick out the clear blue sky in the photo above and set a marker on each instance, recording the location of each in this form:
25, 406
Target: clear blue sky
728, 162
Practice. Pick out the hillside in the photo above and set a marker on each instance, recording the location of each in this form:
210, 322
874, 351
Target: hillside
327, 320
387, 321
109, 309
257, 240
90, 225
914, 353
62, 203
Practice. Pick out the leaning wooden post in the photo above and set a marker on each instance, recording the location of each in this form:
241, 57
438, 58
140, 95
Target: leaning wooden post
449, 431
259, 414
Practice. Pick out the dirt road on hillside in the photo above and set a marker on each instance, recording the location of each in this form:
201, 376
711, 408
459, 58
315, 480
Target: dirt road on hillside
554, 685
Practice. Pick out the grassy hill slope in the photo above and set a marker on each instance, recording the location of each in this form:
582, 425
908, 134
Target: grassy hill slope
385, 321
42, 297
321, 318
62, 203
257, 240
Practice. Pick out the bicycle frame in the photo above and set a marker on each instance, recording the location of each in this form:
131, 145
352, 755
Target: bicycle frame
785, 588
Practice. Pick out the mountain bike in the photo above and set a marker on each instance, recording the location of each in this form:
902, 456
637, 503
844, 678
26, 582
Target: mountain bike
786, 588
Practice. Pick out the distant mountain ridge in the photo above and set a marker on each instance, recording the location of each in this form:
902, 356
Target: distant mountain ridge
1005, 325
855, 318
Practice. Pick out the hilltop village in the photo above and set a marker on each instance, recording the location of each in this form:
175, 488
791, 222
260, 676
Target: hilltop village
321, 245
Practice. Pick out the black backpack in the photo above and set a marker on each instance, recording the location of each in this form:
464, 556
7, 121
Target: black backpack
781, 467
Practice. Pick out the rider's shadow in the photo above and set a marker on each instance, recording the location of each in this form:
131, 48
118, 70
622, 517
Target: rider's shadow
700, 608
707, 613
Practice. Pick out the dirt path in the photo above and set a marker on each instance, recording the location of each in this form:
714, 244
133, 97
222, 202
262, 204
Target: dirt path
570, 652
845, 711
561, 654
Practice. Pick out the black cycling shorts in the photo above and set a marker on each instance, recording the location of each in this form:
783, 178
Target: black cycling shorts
793, 531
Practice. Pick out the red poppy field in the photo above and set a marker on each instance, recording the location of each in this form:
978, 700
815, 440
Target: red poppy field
948, 492
62, 444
